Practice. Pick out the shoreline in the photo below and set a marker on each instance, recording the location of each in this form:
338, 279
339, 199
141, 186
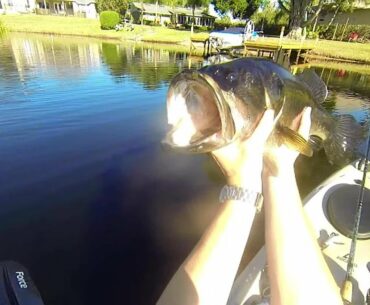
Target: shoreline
324, 50
197, 51
321, 58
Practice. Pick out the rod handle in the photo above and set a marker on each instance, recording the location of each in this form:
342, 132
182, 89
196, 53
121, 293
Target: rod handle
346, 292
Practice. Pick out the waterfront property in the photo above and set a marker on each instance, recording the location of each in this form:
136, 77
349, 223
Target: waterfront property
359, 16
183, 16
17, 6
80, 8
150, 12
163, 15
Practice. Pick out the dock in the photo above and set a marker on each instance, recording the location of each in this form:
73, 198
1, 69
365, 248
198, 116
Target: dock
203, 40
283, 51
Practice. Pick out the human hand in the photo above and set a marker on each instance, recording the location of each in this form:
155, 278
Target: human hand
241, 161
278, 159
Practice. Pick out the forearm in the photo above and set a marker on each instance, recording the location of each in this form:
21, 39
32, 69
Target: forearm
207, 274
298, 272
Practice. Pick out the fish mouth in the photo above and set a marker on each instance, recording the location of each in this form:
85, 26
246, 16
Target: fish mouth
198, 114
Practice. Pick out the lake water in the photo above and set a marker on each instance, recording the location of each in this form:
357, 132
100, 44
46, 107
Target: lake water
89, 201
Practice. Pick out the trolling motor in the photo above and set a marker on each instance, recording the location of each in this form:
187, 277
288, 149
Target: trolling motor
16, 285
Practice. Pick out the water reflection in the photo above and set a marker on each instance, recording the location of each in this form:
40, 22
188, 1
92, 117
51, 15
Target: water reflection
152, 68
343, 80
349, 92
48, 54
149, 66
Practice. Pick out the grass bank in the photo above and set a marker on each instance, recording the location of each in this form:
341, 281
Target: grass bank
361, 69
2, 28
87, 27
329, 49
342, 50
91, 28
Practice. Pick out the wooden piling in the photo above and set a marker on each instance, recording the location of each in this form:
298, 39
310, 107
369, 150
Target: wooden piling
335, 31
344, 29
281, 35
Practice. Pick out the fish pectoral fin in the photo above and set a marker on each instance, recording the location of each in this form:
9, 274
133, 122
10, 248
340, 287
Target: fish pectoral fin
295, 141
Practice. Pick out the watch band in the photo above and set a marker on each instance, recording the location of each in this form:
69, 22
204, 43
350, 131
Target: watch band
232, 192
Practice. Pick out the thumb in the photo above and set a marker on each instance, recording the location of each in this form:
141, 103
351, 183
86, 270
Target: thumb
264, 127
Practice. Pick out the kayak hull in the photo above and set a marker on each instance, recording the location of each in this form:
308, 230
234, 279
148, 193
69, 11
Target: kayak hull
250, 286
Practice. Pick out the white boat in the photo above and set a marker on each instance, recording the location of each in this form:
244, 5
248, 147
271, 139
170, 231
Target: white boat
331, 208
232, 37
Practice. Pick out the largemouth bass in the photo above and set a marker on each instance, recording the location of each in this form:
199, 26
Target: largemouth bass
213, 106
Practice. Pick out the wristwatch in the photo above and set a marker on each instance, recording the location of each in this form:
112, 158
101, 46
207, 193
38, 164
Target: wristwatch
250, 197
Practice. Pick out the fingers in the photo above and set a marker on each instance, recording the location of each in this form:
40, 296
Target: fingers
259, 137
304, 127
264, 127
225, 153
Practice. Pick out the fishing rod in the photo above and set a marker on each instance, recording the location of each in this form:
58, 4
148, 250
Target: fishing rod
347, 284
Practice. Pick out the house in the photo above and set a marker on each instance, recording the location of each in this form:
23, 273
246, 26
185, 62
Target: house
359, 16
81, 8
150, 12
183, 16
17, 6
165, 14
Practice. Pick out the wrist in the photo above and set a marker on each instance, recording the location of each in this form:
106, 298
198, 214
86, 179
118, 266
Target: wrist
282, 172
277, 165
251, 180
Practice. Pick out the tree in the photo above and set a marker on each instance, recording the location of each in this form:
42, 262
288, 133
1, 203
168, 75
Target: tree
239, 8
269, 15
303, 12
119, 6
193, 4
339, 6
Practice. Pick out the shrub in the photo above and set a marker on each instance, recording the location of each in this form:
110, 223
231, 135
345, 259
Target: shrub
222, 23
312, 34
362, 30
203, 28
271, 29
108, 20
151, 23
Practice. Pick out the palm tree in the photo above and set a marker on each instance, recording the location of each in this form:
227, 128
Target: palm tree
193, 4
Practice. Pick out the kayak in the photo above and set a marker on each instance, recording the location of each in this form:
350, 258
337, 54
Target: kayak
16, 285
331, 208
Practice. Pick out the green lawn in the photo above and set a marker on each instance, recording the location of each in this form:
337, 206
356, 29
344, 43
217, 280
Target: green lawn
2, 28
88, 27
329, 48
343, 50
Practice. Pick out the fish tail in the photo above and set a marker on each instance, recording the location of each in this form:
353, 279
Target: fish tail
343, 143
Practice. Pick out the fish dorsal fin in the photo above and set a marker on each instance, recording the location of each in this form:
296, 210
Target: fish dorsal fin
315, 84
294, 140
